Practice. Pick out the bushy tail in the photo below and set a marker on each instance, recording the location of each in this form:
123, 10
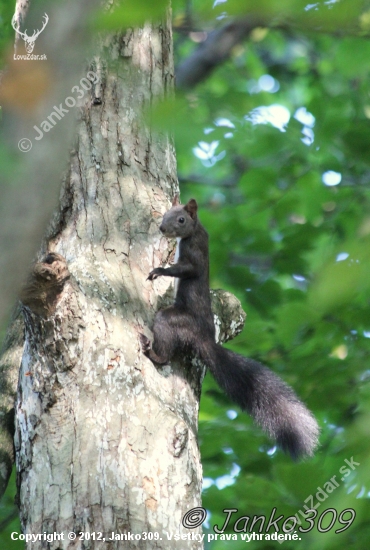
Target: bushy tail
271, 403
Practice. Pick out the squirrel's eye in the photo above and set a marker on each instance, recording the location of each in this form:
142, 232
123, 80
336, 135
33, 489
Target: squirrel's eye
181, 220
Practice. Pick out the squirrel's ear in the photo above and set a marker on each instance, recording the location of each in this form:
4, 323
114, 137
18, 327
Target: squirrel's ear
175, 200
191, 208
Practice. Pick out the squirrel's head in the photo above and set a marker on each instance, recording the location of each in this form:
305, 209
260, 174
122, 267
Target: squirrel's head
180, 220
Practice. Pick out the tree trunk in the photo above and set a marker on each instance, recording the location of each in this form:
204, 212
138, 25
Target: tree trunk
105, 441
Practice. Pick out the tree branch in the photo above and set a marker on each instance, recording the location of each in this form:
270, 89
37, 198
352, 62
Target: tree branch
215, 50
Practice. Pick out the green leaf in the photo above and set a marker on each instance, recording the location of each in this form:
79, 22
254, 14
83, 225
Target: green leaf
342, 279
132, 13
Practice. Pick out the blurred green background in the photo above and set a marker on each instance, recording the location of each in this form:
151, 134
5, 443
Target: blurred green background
9, 520
275, 147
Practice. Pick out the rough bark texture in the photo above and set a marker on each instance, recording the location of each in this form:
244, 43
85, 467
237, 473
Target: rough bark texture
10, 360
105, 441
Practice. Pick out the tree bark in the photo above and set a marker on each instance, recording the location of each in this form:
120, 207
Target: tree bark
105, 441
10, 360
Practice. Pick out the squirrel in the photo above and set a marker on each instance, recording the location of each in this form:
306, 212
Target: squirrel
187, 327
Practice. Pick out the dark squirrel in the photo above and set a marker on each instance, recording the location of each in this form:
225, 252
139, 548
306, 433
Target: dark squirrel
187, 327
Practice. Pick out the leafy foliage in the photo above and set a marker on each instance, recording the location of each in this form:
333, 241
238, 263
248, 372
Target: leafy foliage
9, 519
274, 145
6, 31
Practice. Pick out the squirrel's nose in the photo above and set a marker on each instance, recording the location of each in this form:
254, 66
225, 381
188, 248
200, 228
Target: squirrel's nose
162, 229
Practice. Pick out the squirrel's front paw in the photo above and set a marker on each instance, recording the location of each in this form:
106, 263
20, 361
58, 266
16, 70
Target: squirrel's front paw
154, 274
145, 343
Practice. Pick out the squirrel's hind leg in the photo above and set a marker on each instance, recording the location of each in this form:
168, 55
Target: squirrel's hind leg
172, 330
146, 347
161, 349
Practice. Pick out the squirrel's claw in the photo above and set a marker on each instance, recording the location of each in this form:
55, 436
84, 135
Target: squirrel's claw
153, 275
145, 343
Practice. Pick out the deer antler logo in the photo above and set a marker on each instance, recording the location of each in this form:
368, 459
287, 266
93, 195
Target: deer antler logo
29, 40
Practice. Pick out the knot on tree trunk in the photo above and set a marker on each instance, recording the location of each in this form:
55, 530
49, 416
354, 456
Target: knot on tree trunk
229, 316
45, 284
